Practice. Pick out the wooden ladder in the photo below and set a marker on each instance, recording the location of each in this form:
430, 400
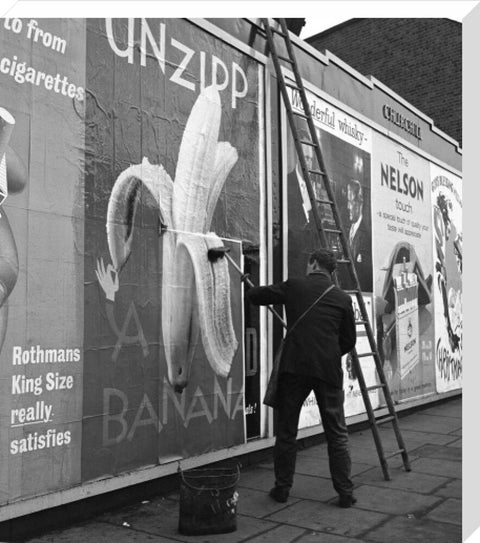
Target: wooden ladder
338, 232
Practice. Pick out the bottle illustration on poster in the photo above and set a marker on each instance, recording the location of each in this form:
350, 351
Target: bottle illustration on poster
406, 298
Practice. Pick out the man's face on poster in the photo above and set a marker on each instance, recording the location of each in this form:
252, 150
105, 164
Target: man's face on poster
354, 204
308, 153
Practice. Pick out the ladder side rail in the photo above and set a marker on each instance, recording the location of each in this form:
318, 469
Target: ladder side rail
391, 409
370, 413
298, 145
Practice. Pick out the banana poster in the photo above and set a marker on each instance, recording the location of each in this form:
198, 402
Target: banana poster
172, 173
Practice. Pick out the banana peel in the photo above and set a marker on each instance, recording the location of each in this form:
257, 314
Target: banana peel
195, 292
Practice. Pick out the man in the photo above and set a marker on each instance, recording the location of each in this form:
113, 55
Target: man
359, 236
311, 360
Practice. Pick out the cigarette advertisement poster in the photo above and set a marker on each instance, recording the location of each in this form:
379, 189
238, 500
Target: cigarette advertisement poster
42, 100
403, 263
346, 146
172, 169
447, 249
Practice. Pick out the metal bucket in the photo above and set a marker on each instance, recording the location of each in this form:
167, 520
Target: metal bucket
208, 501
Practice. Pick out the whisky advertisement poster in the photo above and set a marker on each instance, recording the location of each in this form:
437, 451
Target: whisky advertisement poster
346, 147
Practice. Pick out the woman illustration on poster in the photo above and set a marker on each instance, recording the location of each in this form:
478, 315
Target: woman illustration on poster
13, 178
452, 309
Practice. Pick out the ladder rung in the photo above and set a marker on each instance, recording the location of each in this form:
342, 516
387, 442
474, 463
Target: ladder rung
279, 32
352, 291
386, 419
375, 387
298, 114
286, 59
344, 261
317, 172
363, 355
333, 230
325, 202
361, 321
396, 453
307, 142
292, 86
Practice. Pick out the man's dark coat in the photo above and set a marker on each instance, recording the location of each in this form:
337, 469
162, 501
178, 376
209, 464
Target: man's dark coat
316, 345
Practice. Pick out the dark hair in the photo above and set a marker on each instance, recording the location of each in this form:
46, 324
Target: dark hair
324, 258
357, 191
444, 205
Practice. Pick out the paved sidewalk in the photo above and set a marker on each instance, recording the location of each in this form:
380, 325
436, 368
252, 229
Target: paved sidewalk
422, 505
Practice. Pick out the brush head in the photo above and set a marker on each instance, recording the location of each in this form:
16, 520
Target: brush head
215, 253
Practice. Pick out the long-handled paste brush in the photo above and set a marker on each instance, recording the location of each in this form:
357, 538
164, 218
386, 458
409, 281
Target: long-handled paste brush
220, 252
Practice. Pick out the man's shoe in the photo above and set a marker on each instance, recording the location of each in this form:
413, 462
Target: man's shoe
279, 494
346, 501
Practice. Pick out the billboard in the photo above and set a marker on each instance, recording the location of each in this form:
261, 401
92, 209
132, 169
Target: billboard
346, 147
403, 263
121, 169
172, 171
447, 285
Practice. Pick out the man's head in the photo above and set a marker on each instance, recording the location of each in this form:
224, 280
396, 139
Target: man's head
322, 260
307, 149
309, 157
354, 200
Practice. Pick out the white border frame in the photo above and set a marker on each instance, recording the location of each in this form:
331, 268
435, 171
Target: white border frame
57, 498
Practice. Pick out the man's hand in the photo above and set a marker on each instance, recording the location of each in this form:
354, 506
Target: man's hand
108, 279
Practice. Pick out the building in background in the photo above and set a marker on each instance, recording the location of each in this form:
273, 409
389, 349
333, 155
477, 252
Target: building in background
420, 59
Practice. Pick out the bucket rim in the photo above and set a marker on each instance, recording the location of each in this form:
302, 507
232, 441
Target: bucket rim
234, 472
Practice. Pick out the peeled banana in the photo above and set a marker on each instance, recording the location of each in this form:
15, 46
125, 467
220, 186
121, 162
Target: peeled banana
195, 292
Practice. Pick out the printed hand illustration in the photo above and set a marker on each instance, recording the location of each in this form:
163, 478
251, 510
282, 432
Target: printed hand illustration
108, 279
195, 292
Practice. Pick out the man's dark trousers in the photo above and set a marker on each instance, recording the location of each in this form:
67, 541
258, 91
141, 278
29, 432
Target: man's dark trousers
293, 390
